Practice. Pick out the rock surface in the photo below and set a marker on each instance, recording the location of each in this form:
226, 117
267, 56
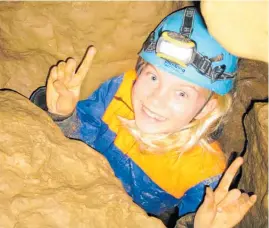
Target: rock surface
252, 84
35, 35
255, 169
240, 26
48, 180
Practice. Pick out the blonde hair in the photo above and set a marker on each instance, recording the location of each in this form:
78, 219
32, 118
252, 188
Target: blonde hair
197, 132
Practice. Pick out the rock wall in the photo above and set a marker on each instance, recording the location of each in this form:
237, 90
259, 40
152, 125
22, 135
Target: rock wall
48, 180
255, 170
240, 26
252, 85
35, 35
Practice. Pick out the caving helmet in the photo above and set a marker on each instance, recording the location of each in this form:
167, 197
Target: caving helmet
181, 45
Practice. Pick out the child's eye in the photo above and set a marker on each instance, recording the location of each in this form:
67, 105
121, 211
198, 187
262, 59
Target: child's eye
181, 94
153, 77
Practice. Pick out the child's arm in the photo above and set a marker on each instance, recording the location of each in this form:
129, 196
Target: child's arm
60, 99
64, 84
61, 95
221, 208
38, 97
87, 113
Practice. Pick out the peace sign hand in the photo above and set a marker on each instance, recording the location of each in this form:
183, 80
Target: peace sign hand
64, 83
224, 208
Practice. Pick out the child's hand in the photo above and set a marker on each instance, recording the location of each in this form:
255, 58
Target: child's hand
224, 208
64, 82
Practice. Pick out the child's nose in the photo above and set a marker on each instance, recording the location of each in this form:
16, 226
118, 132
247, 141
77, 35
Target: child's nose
158, 98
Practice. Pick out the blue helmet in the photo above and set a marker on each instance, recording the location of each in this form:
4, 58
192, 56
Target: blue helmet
182, 46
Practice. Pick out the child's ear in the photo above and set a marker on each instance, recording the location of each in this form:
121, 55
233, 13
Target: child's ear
209, 107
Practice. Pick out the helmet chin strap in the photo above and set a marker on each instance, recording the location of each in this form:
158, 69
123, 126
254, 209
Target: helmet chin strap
200, 110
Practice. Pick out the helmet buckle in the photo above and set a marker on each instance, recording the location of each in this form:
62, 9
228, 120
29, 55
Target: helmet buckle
217, 72
204, 64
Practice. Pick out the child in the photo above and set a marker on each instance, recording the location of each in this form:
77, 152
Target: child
154, 124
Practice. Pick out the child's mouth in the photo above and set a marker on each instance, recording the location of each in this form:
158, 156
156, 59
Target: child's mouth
152, 115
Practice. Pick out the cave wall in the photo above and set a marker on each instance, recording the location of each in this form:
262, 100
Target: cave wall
252, 85
240, 26
48, 180
35, 35
255, 172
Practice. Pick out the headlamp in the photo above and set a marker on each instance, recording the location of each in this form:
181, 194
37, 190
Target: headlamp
175, 47
181, 50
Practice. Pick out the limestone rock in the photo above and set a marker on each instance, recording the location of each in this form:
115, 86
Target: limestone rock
35, 35
40, 181
252, 84
255, 169
240, 26
48, 180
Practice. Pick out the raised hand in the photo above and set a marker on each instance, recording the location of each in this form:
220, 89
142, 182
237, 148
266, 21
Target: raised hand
224, 208
64, 83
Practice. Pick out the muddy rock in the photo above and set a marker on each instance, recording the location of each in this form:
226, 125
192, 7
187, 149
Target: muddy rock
36, 35
252, 85
255, 169
48, 180
240, 26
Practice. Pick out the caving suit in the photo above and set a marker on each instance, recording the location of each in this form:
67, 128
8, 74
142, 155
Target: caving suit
156, 182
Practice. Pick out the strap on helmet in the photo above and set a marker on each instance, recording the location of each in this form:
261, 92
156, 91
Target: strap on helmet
200, 62
186, 28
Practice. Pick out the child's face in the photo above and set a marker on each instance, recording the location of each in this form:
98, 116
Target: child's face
163, 103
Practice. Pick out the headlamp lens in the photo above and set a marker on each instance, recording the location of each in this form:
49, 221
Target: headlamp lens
175, 49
